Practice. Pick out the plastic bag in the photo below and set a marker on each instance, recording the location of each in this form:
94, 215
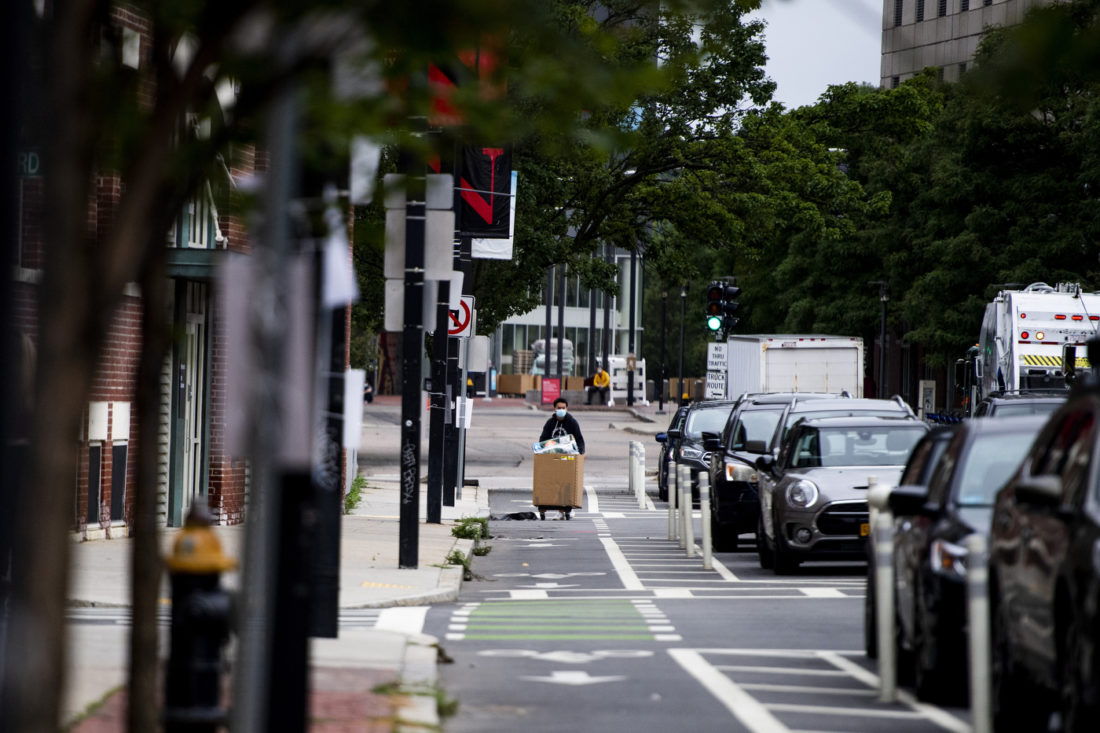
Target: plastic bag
561, 444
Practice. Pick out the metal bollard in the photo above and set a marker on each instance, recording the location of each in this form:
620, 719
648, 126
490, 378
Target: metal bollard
630, 467
689, 523
977, 609
883, 529
641, 476
673, 494
704, 512
200, 628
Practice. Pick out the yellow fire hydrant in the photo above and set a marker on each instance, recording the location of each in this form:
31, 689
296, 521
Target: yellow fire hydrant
200, 627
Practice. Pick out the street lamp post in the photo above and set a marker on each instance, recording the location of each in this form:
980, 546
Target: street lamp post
683, 315
630, 337
661, 374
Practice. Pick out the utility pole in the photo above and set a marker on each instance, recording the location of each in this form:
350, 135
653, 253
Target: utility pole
884, 297
683, 315
437, 414
561, 328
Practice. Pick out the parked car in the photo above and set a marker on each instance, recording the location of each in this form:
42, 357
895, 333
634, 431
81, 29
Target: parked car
1011, 404
1044, 575
917, 472
668, 448
707, 416
734, 505
930, 559
816, 507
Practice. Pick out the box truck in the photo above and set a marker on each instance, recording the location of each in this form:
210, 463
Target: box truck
794, 363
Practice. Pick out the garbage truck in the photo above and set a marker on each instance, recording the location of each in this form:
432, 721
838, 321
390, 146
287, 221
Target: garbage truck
1027, 334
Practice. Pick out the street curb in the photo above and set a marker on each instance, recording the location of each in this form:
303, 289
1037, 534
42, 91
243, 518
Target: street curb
640, 416
419, 682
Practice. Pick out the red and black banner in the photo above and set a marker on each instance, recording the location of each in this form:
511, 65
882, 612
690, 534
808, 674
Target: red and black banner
485, 188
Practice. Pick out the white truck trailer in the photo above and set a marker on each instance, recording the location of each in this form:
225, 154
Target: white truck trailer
794, 363
1024, 333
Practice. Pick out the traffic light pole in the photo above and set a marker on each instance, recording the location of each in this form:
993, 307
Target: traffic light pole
412, 341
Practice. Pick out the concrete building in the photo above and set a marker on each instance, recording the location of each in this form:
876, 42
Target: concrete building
944, 33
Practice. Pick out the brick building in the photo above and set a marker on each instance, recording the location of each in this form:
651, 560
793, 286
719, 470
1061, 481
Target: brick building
191, 453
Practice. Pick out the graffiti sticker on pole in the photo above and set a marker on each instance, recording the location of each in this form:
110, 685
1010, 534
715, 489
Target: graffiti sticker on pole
462, 320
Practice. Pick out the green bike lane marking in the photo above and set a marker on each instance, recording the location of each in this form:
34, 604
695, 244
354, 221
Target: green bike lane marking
557, 620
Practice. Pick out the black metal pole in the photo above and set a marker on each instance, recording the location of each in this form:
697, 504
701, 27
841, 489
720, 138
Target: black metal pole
561, 327
609, 254
630, 336
590, 360
549, 322
882, 354
412, 341
465, 265
661, 376
436, 433
680, 375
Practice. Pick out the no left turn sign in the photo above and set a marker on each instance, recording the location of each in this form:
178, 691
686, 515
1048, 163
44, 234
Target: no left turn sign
462, 320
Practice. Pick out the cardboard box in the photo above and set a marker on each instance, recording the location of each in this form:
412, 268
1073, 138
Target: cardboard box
559, 480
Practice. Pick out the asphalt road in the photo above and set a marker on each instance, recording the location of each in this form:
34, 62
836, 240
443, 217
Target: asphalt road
602, 623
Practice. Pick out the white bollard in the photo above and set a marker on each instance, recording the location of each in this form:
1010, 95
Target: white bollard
630, 466
689, 523
883, 569
683, 482
977, 609
673, 483
641, 476
704, 513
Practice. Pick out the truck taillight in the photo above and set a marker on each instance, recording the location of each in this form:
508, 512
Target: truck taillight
1078, 318
1024, 335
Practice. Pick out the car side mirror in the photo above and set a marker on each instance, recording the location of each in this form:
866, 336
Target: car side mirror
909, 501
673, 434
661, 437
712, 442
756, 446
765, 462
1041, 491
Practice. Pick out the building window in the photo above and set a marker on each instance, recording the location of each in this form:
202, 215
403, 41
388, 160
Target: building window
987, 3
962, 68
942, 10
894, 81
964, 5
940, 73
920, 10
897, 11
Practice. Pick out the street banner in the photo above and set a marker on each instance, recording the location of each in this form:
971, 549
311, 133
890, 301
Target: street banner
498, 249
485, 183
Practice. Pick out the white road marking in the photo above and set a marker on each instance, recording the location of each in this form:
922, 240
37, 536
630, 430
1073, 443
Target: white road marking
796, 671
807, 689
822, 592
528, 595
574, 678
936, 715
672, 593
719, 567
853, 712
614, 515
593, 501
622, 566
742, 705
667, 637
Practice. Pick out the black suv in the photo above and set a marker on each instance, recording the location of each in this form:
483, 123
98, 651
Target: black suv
1044, 577
702, 417
735, 505
668, 450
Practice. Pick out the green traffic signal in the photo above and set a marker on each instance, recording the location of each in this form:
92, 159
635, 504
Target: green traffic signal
714, 323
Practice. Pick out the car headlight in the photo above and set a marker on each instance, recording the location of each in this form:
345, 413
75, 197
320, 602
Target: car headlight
740, 472
947, 558
689, 452
802, 493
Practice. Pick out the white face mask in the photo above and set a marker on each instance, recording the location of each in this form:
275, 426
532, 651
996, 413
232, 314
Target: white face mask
560, 412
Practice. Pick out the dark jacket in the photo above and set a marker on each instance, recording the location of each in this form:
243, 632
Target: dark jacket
568, 424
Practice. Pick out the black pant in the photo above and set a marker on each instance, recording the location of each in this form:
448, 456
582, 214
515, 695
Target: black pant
601, 391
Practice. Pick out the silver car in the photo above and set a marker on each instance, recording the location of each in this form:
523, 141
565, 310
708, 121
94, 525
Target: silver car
816, 505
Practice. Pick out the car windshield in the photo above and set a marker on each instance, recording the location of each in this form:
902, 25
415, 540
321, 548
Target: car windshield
858, 446
988, 465
793, 416
755, 425
707, 420
1026, 408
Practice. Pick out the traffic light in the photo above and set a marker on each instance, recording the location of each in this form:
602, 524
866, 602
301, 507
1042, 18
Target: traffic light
729, 307
715, 307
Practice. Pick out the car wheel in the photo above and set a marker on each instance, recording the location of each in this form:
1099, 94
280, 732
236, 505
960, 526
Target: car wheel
870, 617
931, 676
763, 553
1077, 714
723, 536
1015, 706
662, 490
785, 562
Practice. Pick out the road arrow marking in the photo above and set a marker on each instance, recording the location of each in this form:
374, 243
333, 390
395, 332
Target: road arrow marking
570, 677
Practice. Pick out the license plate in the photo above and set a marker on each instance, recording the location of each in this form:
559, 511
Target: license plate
864, 529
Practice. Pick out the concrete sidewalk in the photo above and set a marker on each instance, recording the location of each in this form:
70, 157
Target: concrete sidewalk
346, 672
